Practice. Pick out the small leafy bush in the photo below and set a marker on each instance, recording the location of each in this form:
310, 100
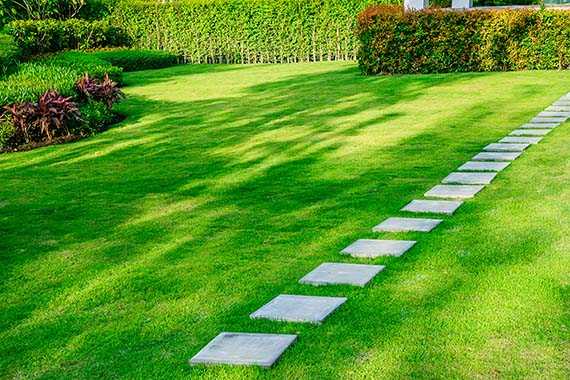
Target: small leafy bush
53, 9
7, 131
48, 118
58, 72
9, 54
393, 41
95, 117
41, 9
105, 91
137, 59
46, 36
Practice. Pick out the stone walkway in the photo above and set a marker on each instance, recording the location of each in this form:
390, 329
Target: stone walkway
469, 179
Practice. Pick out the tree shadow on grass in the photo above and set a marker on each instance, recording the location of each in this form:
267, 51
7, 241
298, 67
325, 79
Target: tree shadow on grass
230, 198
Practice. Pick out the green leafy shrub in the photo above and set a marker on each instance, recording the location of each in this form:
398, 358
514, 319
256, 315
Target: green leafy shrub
9, 54
58, 72
55, 9
7, 131
44, 36
393, 41
136, 59
244, 31
96, 9
95, 117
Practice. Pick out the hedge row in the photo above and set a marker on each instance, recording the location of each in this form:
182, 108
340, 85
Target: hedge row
47, 36
136, 59
446, 41
244, 31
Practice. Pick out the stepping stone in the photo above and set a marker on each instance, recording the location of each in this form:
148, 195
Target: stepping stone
431, 206
496, 156
562, 103
454, 191
497, 147
558, 109
530, 132
342, 274
469, 178
539, 126
289, 308
561, 114
407, 224
244, 349
484, 166
518, 140
372, 248
542, 120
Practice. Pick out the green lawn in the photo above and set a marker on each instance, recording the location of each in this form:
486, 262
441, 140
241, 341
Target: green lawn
124, 254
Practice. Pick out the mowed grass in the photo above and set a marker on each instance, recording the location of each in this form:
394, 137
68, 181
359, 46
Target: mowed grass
122, 255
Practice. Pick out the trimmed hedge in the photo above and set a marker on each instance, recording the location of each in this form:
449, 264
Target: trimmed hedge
48, 36
136, 59
435, 41
244, 31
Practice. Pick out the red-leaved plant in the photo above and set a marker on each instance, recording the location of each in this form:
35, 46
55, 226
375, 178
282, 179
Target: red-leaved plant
105, 91
45, 120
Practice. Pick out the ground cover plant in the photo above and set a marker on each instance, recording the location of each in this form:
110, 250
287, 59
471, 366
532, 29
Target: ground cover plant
124, 254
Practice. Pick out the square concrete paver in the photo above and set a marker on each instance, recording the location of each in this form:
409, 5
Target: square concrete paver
496, 156
454, 191
342, 274
562, 114
558, 109
407, 224
518, 140
499, 147
561, 103
432, 206
463, 178
483, 166
548, 120
244, 349
530, 132
291, 308
371, 248
539, 126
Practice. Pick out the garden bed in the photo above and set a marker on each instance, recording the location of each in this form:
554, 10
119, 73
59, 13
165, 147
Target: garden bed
75, 112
